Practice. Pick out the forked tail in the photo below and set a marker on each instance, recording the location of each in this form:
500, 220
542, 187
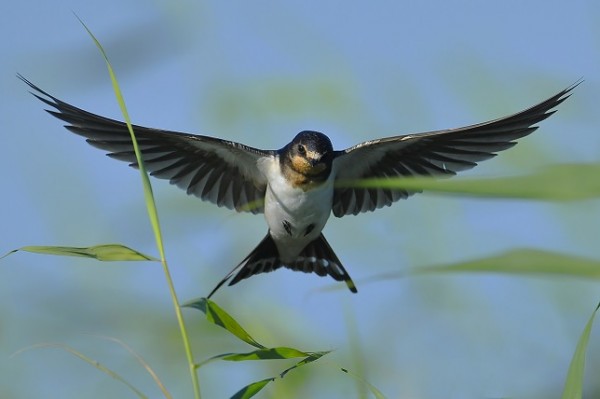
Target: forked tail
317, 257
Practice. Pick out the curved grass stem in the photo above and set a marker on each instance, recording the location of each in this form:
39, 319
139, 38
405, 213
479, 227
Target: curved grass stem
153, 216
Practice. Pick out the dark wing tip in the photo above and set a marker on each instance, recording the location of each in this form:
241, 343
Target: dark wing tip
574, 85
566, 93
38, 90
558, 99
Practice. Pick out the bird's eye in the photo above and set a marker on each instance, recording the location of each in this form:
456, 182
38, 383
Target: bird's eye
301, 149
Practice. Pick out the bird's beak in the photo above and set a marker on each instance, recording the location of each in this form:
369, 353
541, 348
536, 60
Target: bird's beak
314, 158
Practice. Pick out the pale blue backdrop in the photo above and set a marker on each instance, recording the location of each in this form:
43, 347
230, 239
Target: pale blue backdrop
259, 72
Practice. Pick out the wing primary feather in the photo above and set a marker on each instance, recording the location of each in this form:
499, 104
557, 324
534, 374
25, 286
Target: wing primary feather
436, 153
175, 156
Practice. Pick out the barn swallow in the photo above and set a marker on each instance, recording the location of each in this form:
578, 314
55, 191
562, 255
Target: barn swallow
295, 186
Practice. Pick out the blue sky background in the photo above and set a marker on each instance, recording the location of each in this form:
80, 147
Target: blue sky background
259, 72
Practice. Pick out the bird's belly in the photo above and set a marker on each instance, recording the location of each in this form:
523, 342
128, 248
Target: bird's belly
296, 217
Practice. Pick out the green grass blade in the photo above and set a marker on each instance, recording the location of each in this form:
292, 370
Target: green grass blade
142, 362
252, 205
574, 384
250, 390
218, 316
88, 360
309, 359
356, 352
563, 182
376, 392
148, 195
276, 353
221, 318
153, 216
106, 252
524, 261
281, 352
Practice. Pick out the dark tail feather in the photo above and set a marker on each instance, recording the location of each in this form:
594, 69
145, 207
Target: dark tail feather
263, 259
317, 257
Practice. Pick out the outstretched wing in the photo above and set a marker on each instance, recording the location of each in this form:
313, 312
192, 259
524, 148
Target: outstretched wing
222, 172
442, 152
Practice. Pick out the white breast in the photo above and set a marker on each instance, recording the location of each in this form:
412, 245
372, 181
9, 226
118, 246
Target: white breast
301, 209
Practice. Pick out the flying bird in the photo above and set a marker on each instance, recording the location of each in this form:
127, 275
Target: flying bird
295, 186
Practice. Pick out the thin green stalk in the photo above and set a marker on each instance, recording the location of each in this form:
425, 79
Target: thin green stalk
153, 215
88, 360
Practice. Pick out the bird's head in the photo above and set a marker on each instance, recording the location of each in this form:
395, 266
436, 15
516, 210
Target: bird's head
310, 153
